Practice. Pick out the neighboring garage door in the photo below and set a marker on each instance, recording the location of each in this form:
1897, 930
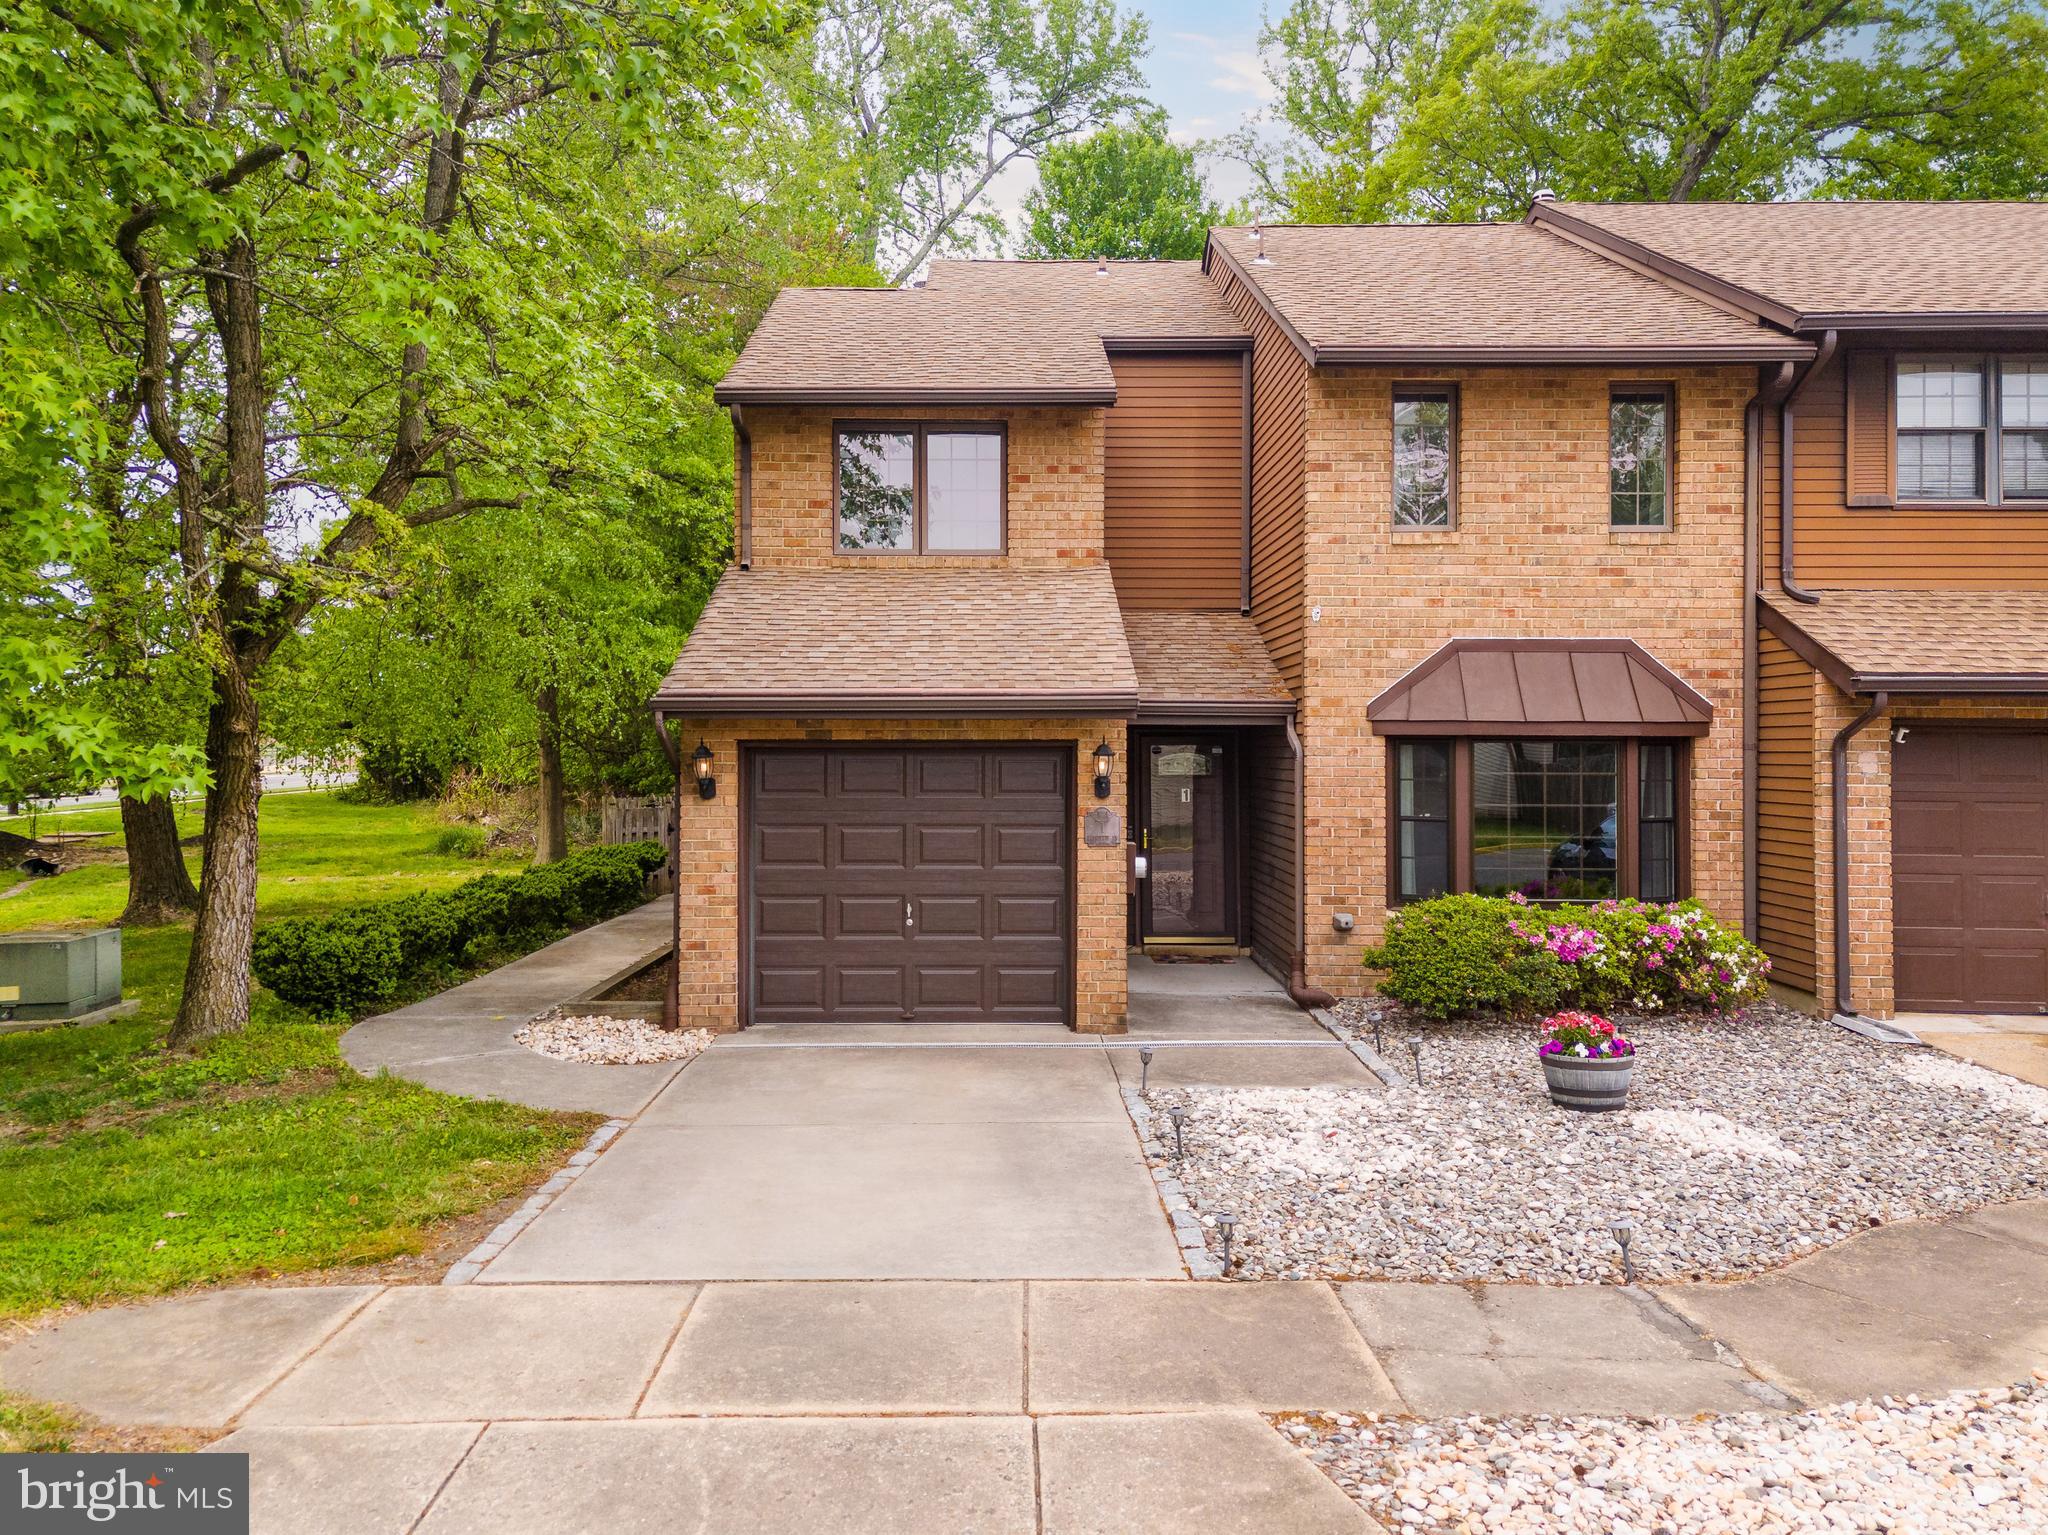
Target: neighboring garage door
909, 883
1970, 870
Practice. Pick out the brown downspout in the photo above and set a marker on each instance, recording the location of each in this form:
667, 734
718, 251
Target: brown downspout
1840, 754
1304, 995
1787, 562
1752, 583
743, 453
1244, 570
672, 994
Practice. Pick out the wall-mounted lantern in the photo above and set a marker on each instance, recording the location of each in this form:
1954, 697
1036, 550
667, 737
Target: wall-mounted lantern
1102, 756
700, 760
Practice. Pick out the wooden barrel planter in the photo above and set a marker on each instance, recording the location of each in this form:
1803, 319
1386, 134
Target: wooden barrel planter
1594, 1085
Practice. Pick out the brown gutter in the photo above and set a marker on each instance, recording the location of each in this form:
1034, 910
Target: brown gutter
1787, 543
1839, 754
1752, 583
1760, 351
868, 704
1305, 996
794, 394
743, 452
1244, 574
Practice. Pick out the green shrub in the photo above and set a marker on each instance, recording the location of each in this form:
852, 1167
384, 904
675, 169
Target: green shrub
462, 841
1461, 954
349, 960
1468, 953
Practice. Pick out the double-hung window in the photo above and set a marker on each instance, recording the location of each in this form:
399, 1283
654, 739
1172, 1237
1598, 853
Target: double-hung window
1639, 456
1972, 429
1549, 819
918, 488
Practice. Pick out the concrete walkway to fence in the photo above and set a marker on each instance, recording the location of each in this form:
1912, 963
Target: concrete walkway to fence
461, 1041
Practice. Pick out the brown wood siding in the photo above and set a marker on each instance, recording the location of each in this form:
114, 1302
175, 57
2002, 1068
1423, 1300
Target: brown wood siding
1785, 805
1840, 545
1173, 480
1268, 765
1279, 435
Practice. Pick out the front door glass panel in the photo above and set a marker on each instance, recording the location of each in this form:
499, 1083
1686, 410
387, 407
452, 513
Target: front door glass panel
1187, 786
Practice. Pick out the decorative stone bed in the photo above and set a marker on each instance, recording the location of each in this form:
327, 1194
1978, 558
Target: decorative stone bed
602, 1040
1748, 1141
1956, 1465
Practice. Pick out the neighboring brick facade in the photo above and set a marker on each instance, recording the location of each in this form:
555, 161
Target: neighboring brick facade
1532, 555
1054, 512
709, 855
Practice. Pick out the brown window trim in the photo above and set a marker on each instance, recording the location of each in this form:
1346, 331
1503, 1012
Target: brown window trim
1622, 388
919, 431
1448, 389
1627, 860
1990, 461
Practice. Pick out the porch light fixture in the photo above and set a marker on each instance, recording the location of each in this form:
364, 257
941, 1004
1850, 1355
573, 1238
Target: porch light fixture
700, 761
1102, 756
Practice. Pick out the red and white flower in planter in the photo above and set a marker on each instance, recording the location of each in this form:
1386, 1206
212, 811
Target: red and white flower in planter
1588, 1064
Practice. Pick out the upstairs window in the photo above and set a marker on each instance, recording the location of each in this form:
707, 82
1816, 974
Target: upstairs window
902, 488
1425, 456
1639, 456
1972, 429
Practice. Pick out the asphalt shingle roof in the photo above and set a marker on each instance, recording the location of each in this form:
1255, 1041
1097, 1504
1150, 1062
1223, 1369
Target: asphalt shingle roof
1118, 300
905, 642
1399, 292
1869, 258
1203, 658
1972, 639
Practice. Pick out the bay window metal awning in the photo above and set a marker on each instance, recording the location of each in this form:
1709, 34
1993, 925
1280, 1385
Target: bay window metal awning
1554, 687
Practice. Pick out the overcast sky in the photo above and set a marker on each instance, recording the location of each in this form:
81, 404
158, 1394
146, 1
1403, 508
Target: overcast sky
1204, 70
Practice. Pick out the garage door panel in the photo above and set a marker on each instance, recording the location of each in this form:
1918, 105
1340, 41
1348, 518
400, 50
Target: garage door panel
869, 916
797, 846
1029, 847
951, 847
975, 843
952, 773
950, 916
1970, 870
870, 847
1927, 826
798, 988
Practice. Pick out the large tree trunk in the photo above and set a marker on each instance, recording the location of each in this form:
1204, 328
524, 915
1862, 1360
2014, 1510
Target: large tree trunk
216, 999
551, 833
159, 888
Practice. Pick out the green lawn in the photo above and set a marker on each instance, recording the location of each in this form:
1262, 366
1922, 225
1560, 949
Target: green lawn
125, 1169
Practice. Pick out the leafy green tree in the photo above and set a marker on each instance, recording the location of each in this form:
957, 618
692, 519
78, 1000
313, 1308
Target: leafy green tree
925, 104
1464, 109
359, 264
1125, 192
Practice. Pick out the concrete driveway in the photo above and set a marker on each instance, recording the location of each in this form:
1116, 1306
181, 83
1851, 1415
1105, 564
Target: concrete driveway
867, 1154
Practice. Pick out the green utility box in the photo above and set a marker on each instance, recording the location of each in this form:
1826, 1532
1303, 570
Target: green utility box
52, 977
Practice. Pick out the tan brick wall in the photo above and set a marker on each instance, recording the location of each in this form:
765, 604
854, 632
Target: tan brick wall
1054, 508
1532, 555
709, 852
1870, 835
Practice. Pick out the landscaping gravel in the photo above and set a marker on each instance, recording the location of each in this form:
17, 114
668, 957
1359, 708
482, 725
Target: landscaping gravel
606, 1041
1749, 1141
1970, 1464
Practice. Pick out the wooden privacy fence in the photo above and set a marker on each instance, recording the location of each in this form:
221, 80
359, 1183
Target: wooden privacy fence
645, 818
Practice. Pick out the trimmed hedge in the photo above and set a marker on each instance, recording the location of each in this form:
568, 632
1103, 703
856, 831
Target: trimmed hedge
1482, 954
349, 960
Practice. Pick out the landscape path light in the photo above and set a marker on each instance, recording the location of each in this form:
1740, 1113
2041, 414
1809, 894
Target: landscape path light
1144, 1067
1226, 1222
1415, 1054
1623, 1231
1177, 1114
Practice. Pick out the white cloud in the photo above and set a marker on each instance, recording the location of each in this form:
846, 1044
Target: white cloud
1244, 72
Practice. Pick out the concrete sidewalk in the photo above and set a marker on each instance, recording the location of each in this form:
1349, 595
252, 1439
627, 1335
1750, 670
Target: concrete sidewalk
907, 1407
461, 1041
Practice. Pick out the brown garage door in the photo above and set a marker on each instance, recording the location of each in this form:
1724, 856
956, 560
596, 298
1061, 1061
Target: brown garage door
1970, 870
920, 883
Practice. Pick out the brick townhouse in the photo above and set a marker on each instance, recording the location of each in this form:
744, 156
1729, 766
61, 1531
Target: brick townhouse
1079, 608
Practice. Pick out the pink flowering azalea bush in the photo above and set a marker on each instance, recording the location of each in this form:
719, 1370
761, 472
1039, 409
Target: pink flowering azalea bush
1477, 954
1586, 1036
